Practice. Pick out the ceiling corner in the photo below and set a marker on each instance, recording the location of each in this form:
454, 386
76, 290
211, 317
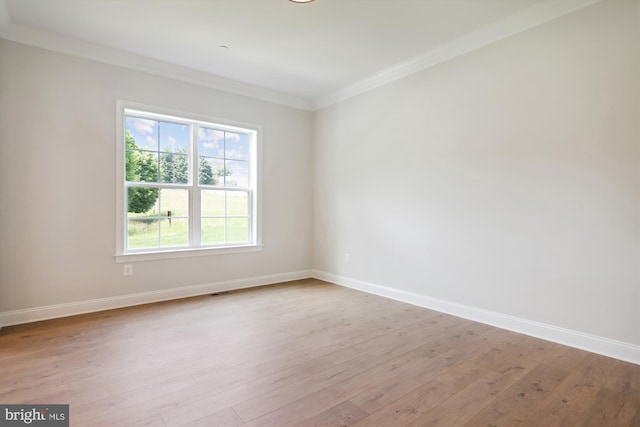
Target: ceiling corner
61, 44
526, 19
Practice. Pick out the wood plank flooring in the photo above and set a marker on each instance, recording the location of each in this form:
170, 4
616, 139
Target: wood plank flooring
307, 353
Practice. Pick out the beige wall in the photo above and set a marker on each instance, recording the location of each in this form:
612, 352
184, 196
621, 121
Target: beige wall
506, 179
57, 181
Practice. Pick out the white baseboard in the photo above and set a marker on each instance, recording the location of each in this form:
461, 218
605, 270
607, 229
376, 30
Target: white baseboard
593, 343
35, 314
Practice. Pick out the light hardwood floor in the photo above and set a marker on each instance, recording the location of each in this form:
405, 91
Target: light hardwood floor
307, 353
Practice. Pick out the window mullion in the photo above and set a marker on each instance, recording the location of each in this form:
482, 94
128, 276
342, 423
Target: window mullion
194, 219
250, 215
156, 185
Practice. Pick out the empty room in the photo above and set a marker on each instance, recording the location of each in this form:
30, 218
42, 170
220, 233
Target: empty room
281, 213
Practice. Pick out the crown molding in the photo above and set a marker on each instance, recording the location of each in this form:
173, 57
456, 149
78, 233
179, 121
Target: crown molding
526, 19
533, 16
57, 43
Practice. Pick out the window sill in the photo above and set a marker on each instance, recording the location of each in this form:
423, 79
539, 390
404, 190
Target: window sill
183, 253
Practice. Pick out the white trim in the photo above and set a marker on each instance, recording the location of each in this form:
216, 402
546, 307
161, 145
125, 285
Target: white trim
588, 342
255, 175
58, 43
533, 16
183, 253
593, 343
526, 19
35, 314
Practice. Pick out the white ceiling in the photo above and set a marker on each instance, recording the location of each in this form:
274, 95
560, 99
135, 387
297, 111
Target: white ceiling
307, 52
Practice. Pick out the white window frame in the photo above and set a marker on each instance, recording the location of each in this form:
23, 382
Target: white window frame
122, 255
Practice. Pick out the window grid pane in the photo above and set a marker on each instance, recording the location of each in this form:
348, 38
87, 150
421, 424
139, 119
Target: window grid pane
157, 150
224, 158
163, 224
174, 232
143, 234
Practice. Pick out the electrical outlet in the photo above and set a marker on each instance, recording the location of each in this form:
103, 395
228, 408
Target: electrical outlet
128, 269
347, 257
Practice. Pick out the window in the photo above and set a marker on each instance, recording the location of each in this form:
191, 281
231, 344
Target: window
186, 186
